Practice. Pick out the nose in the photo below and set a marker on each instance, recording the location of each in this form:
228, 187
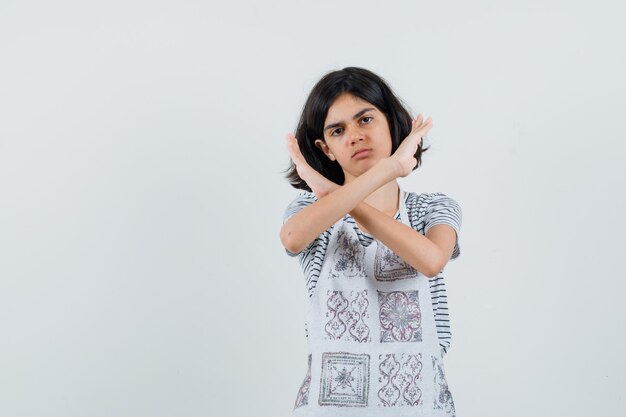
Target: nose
355, 133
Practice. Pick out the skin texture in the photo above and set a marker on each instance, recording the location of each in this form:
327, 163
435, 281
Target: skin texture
370, 186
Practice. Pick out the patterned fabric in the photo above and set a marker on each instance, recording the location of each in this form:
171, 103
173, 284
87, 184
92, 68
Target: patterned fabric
347, 316
371, 331
400, 375
443, 397
345, 379
389, 267
400, 316
303, 393
425, 210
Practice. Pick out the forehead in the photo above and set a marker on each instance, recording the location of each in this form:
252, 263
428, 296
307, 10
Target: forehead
345, 106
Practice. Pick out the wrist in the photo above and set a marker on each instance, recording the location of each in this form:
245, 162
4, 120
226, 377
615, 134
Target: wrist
330, 188
356, 211
392, 166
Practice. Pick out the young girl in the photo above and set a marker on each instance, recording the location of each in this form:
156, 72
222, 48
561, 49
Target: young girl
372, 254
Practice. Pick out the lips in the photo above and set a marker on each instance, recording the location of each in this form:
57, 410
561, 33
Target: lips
360, 151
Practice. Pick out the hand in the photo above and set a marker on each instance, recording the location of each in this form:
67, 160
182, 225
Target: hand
319, 184
404, 156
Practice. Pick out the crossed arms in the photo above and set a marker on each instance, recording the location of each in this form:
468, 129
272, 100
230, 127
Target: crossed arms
428, 254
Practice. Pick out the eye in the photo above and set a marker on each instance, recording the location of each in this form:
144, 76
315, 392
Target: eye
367, 117
335, 131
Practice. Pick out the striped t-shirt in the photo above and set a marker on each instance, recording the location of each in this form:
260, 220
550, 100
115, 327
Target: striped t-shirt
424, 210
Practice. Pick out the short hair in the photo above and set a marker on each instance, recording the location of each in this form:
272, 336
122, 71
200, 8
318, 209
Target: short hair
361, 83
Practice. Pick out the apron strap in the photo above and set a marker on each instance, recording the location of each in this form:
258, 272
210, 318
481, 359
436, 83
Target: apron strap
404, 215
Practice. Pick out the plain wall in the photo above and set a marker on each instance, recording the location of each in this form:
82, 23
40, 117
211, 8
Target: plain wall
141, 198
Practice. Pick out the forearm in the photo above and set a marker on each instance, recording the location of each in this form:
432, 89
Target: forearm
410, 245
314, 219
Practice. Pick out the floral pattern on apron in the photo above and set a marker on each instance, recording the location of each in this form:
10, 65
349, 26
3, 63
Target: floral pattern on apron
371, 332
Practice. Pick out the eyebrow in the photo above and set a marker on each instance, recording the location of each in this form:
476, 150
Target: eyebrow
356, 116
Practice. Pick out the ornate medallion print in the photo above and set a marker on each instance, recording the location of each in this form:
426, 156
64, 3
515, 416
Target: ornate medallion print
400, 316
390, 267
443, 396
400, 375
346, 316
303, 392
345, 379
348, 256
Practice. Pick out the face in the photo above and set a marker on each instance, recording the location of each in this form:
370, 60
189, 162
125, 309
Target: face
353, 124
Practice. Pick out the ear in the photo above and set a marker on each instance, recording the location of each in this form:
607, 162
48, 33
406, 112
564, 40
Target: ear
324, 148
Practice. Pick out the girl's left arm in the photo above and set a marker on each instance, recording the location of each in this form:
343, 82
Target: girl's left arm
428, 254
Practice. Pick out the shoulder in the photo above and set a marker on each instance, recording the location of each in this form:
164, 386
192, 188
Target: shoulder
438, 200
429, 208
431, 200
304, 195
301, 200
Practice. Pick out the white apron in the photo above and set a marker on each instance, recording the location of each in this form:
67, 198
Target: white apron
372, 337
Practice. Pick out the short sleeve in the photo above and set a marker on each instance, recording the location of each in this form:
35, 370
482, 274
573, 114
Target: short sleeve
441, 209
301, 201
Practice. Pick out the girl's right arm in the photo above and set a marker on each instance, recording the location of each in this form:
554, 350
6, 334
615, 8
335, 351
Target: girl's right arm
310, 222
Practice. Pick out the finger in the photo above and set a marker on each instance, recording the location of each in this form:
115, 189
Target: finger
425, 129
294, 148
420, 122
417, 122
290, 139
427, 122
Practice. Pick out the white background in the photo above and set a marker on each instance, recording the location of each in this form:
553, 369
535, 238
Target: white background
142, 194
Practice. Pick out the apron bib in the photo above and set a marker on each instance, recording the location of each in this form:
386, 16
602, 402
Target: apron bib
372, 336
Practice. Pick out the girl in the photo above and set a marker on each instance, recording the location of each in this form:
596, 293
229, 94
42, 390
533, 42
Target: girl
372, 254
